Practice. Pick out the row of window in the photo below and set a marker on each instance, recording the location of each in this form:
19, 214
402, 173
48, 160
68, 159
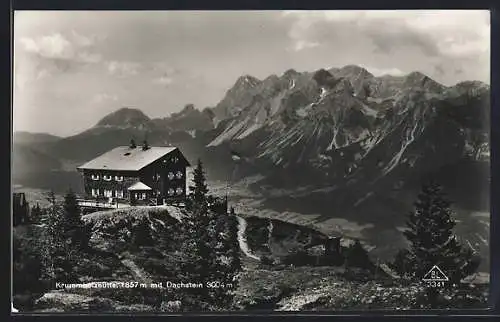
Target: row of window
177, 175
170, 176
140, 196
106, 177
177, 191
174, 160
119, 193
156, 177
107, 193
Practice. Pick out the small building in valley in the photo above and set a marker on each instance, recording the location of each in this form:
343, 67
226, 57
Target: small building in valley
136, 175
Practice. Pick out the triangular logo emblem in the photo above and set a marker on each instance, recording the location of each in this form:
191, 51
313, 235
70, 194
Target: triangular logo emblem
435, 274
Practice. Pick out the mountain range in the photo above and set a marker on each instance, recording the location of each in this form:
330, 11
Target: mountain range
333, 143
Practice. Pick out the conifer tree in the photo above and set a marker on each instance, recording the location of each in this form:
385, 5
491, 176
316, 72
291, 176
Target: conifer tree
199, 188
141, 234
210, 246
357, 256
233, 246
229, 251
74, 227
58, 252
432, 241
36, 213
196, 245
200, 244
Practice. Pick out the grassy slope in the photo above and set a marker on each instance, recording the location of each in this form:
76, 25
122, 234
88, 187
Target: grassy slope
263, 288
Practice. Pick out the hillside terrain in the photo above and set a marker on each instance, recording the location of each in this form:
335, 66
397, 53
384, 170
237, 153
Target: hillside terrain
339, 150
270, 285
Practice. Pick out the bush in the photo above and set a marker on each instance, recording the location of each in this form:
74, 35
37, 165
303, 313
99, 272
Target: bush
357, 256
266, 261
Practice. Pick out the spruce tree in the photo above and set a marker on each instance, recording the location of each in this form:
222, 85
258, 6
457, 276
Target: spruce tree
226, 254
35, 214
74, 227
196, 246
210, 247
232, 254
357, 256
141, 234
199, 188
432, 241
201, 239
233, 246
58, 252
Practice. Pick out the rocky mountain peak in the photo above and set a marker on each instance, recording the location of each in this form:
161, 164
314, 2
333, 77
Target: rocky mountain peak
246, 81
189, 108
291, 73
125, 117
473, 88
324, 78
354, 70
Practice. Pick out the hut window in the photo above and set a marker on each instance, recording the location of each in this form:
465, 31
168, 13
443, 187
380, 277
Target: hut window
171, 192
170, 175
95, 192
119, 193
179, 190
119, 178
178, 175
108, 193
107, 177
95, 177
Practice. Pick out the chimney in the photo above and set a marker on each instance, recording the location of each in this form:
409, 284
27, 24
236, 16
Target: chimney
132, 144
145, 145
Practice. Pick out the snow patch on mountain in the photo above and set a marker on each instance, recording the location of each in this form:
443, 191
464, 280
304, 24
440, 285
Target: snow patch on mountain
369, 111
407, 141
304, 111
333, 143
363, 199
228, 134
322, 94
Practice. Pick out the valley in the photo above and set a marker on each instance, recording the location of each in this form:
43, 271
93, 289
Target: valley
339, 150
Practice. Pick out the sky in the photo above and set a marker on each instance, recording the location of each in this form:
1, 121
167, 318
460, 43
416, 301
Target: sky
71, 68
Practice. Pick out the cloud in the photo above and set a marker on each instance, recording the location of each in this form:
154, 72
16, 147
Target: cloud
123, 68
405, 39
303, 44
163, 80
455, 33
439, 69
53, 46
103, 97
39, 57
74, 47
385, 71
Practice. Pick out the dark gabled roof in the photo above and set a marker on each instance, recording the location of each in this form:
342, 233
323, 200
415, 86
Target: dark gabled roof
127, 159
